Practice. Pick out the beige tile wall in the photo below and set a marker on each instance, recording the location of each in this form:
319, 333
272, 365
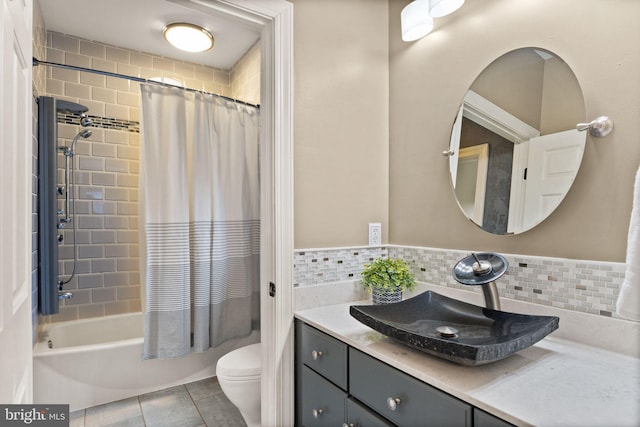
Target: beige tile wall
107, 279
245, 76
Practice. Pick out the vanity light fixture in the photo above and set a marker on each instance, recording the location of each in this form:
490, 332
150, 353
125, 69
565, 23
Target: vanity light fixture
188, 37
440, 8
415, 20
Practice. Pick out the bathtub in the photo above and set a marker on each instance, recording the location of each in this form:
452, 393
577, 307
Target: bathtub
85, 363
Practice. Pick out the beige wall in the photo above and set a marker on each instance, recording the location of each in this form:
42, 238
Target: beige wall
598, 39
341, 118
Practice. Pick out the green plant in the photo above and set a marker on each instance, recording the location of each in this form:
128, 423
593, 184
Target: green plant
387, 274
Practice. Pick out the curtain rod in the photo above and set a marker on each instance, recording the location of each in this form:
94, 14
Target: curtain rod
36, 61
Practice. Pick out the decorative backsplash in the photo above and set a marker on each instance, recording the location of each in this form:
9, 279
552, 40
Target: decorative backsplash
585, 286
317, 266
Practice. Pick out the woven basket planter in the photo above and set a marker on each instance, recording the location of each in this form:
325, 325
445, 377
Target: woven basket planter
383, 296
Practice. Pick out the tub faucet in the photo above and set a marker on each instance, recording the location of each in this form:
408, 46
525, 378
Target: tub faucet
65, 295
482, 269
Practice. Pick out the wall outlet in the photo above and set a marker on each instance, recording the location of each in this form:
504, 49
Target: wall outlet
375, 234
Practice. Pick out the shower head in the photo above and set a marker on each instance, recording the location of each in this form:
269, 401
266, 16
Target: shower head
84, 134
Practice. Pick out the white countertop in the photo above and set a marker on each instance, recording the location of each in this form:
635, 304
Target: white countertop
556, 382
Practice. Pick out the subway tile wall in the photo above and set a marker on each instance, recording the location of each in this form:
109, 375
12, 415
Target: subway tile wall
245, 76
585, 286
107, 273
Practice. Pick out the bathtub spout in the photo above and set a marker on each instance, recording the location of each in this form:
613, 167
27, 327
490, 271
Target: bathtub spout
65, 295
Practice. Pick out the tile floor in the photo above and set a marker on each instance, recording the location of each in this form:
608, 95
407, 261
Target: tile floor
197, 404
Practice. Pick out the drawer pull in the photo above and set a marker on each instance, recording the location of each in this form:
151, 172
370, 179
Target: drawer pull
317, 412
315, 355
393, 403
348, 425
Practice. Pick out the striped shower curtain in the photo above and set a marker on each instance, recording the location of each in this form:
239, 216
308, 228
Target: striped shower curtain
199, 221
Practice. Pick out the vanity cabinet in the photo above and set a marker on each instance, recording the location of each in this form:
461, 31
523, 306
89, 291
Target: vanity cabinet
401, 398
337, 385
482, 419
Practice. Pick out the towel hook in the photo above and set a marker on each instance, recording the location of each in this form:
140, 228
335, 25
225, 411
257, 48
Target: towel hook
602, 126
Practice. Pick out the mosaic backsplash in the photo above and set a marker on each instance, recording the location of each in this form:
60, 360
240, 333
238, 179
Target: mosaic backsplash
585, 286
316, 266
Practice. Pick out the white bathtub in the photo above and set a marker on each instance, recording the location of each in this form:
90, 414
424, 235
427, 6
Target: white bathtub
96, 361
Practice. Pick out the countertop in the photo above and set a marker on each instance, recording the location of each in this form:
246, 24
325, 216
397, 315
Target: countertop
556, 382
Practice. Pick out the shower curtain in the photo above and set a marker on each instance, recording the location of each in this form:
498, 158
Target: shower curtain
199, 220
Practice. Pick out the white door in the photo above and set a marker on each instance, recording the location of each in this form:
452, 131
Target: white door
471, 182
454, 146
553, 164
15, 210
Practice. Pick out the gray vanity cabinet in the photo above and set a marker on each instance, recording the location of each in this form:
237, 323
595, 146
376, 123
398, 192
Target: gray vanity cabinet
482, 419
359, 416
323, 403
402, 398
325, 355
337, 385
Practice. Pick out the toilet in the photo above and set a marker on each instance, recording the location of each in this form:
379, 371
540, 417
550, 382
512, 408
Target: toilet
239, 374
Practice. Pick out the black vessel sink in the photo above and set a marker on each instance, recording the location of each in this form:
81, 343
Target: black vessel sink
454, 330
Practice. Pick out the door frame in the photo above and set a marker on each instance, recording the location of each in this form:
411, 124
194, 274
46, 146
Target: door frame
274, 20
480, 155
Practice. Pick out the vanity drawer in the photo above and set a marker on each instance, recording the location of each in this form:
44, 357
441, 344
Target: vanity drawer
322, 403
361, 416
483, 419
324, 354
378, 385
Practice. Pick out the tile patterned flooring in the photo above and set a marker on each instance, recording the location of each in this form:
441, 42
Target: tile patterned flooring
197, 404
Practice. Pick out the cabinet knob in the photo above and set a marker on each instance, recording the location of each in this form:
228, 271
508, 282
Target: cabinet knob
315, 355
317, 412
348, 425
393, 403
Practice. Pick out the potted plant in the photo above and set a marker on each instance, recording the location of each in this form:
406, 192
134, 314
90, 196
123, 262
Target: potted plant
386, 278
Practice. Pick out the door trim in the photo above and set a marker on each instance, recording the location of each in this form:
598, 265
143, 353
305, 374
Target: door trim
274, 20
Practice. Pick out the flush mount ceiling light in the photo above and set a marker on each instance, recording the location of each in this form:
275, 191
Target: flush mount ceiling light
440, 8
415, 20
188, 37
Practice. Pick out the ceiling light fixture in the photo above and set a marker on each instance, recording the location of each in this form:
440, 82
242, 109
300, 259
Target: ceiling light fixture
415, 20
440, 8
188, 37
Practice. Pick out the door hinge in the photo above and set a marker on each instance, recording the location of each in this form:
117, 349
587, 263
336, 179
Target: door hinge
272, 289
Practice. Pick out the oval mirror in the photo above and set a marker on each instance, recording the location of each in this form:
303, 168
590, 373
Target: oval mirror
515, 150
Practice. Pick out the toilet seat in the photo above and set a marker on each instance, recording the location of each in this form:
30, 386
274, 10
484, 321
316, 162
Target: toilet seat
242, 364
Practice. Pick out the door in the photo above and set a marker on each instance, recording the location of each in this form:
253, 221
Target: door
454, 146
15, 211
471, 182
553, 164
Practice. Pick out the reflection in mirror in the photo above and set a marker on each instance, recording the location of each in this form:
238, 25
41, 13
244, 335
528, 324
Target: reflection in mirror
514, 149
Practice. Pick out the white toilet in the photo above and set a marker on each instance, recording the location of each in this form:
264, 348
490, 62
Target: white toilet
239, 375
